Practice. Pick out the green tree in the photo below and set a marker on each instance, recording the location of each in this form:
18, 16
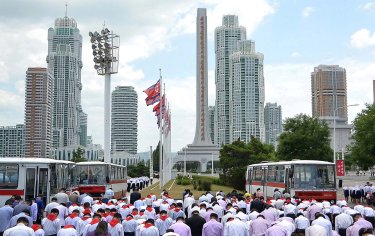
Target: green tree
363, 147
235, 157
138, 170
78, 155
304, 138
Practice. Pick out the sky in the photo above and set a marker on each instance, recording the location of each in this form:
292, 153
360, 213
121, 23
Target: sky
294, 36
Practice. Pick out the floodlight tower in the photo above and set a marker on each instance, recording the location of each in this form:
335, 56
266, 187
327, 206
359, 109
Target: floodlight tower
105, 49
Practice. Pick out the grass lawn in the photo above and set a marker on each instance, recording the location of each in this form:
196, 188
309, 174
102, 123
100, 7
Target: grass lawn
175, 191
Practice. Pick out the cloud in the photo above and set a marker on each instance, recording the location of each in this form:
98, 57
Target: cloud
306, 12
362, 38
144, 31
369, 6
295, 54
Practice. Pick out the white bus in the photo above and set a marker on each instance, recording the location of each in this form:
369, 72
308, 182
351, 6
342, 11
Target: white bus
30, 177
306, 179
95, 177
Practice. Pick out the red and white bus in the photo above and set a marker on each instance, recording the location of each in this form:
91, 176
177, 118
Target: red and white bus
303, 178
30, 177
95, 177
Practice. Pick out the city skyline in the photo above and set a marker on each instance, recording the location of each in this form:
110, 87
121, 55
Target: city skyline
162, 39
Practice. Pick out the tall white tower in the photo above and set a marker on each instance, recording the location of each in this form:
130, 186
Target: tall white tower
201, 149
246, 93
226, 39
64, 64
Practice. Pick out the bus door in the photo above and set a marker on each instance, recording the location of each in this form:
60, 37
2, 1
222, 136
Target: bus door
36, 182
288, 178
249, 179
264, 181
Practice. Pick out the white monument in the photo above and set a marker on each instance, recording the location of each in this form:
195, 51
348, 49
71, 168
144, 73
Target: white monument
201, 149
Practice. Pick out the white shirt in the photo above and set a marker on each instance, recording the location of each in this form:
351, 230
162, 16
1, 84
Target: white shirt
235, 227
368, 211
343, 221
316, 230
87, 199
302, 222
325, 223
67, 232
19, 230
289, 209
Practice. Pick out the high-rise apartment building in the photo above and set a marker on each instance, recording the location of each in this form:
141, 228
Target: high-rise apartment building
246, 93
38, 113
272, 122
83, 129
124, 127
226, 38
328, 91
65, 64
211, 122
12, 141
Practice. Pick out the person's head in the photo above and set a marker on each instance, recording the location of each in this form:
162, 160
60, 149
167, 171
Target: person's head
300, 214
180, 218
195, 212
117, 216
239, 210
150, 221
214, 216
229, 205
356, 217
113, 210
96, 216
63, 190
100, 211
8, 202
261, 216
75, 211
23, 220
318, 214
163, 212
27, 212
86, 205
17, 198
55, 211
102, 228
365, 232
169, 231
54, 199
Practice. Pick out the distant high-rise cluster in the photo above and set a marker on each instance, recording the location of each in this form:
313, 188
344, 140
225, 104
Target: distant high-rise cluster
273, 122
124, 127
64, 64
239, 82
38, 112
12, 141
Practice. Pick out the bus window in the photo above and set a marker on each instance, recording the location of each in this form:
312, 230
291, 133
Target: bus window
271, 176
280, 174
258, 174
9, 176
326, 176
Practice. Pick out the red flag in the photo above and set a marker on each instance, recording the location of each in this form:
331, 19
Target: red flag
153, 99
153, 89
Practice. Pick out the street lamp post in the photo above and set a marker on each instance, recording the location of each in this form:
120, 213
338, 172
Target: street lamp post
334, 129
105, 49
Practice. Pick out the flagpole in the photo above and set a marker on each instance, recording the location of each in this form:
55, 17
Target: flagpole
161, 133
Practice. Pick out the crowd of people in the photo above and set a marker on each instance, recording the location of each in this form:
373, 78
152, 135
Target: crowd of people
364, 193
211, 214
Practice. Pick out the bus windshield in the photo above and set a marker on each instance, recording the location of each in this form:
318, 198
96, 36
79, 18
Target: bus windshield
313, 176
8, 175
88, 175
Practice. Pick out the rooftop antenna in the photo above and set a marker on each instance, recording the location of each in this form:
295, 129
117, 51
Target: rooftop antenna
66, 9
